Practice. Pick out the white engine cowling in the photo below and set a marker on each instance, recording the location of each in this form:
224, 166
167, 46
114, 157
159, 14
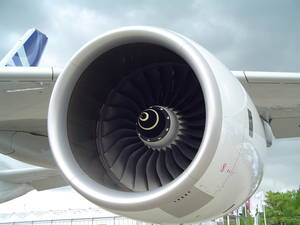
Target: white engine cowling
147, 124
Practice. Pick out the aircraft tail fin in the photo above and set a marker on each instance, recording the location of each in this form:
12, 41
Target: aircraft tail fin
27, 51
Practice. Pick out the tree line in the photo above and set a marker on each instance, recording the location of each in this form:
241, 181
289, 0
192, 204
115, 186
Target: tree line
281, 208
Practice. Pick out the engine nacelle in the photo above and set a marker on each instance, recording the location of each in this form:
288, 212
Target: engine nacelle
147, 124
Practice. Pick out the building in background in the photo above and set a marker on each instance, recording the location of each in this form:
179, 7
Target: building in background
90, 216
48, 212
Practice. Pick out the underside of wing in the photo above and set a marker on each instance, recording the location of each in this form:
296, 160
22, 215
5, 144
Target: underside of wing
277, 98
24, 98
17, 182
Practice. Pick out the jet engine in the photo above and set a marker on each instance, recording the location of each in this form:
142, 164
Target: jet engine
146, 123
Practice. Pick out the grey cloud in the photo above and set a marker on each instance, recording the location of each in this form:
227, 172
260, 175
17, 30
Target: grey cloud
252, 35
17, 15
282, 165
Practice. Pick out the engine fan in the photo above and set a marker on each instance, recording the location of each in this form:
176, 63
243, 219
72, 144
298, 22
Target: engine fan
151, 126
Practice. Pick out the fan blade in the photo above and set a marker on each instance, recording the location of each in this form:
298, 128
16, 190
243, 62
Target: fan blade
109, 141
117, 112
197, 104
131, 91
180, 81
144, 88
140, 182
186, 150
125, 102
195, 133
191, 123
190, 141
163, 174
118, 166
153, 78
179, 158
112, 126
171, 164
168, 82
113, 153
151, 173
128, 175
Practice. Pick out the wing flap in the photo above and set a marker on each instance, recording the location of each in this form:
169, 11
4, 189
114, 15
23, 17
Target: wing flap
17, 182
286, 127
10, 191
26, 175
277, 98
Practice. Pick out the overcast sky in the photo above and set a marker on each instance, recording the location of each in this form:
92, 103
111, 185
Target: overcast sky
253, 35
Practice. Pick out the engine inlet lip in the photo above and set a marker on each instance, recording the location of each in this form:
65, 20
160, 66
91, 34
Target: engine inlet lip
58, 110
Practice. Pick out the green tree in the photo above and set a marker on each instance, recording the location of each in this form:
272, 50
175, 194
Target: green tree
283, 208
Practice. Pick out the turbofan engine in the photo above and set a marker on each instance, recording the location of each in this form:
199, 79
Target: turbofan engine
147, 124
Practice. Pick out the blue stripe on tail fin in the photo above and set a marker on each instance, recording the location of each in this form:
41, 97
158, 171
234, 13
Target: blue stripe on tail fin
27, 51
34, 47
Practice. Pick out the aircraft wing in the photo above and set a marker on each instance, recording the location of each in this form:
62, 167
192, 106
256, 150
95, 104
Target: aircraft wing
26, 92
276, 97
17, 182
